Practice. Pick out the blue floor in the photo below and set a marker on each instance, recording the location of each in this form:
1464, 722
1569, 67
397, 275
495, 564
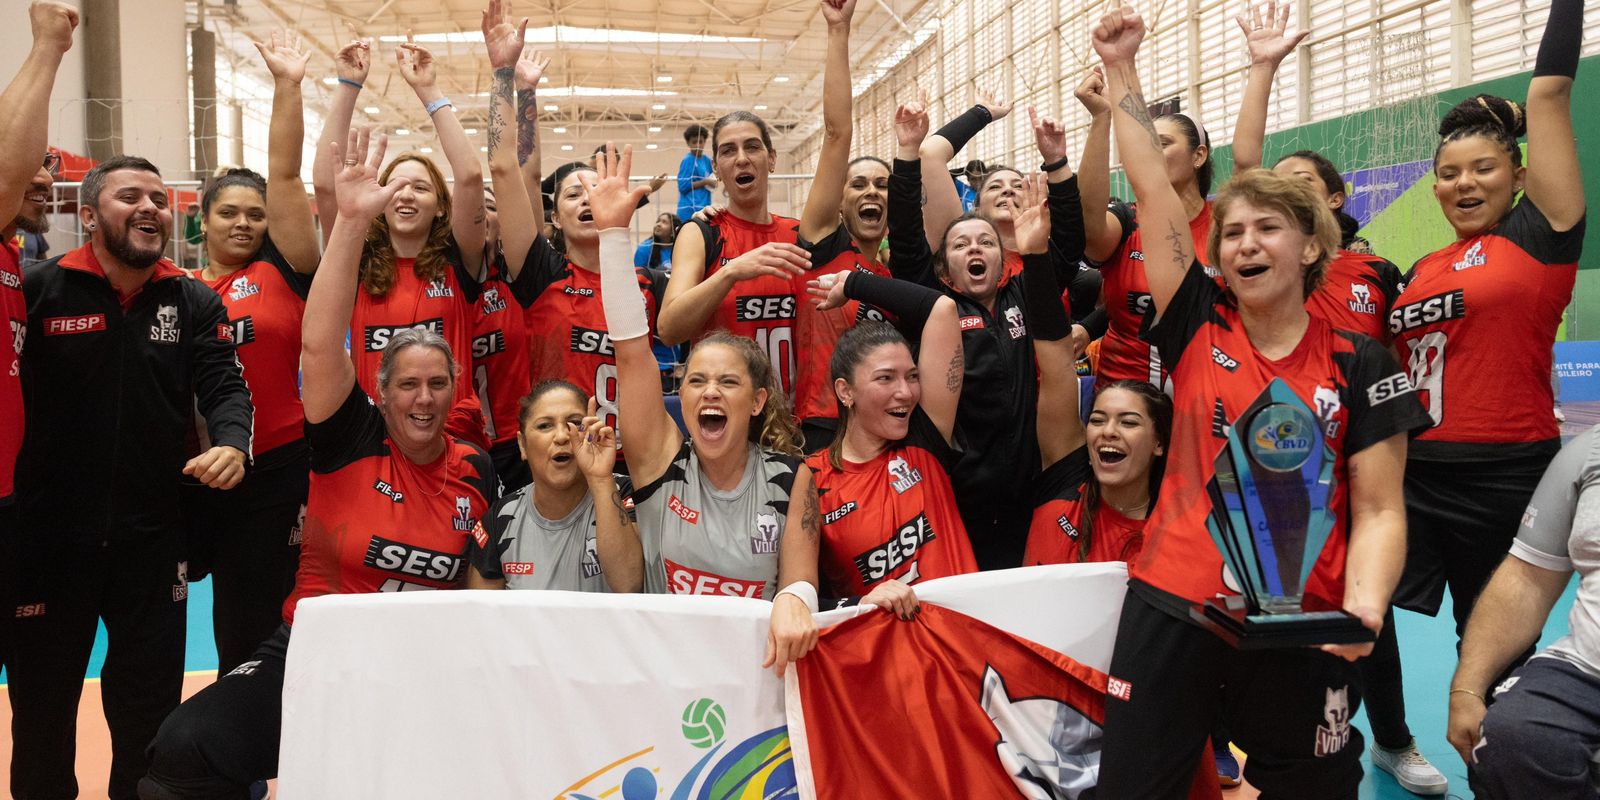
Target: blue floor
1427, 647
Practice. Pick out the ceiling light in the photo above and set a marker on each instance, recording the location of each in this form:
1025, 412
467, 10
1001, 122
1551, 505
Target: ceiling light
544, 78
483, 149
663, 79
650, 147
655, 128
658, 106
402, 131
426, 150
331, 81
570, 34
552, 107
472, 131
566, 147
761, 107
372, 110
781, 79
558, 129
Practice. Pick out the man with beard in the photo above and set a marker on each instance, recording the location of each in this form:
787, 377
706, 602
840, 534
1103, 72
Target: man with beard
124, 346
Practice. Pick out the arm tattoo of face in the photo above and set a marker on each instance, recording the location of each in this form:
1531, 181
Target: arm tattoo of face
1133, 104
958, 365
527, 117
500, 94
811, 518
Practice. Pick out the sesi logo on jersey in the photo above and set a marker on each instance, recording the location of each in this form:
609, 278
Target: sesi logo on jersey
1389, 388
1438, 308
687, 580
376, 337
1139, 303
488, 344
165, 330
585, 340
244, 331
403, 559
877, 563
755, 308
1014, 323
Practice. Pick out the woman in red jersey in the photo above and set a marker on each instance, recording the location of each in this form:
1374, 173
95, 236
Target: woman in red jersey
393, 502
262, 248
1477, 321
1113, 239
420, 255
1273, 240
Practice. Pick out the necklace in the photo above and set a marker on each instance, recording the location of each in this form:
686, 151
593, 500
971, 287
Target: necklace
1128, 512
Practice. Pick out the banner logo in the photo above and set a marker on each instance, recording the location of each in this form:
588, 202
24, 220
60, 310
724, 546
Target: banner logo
1061, 766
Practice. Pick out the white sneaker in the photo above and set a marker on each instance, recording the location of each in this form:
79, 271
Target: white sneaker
1410, 769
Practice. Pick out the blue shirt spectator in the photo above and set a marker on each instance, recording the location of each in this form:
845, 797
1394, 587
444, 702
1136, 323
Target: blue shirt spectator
695, 177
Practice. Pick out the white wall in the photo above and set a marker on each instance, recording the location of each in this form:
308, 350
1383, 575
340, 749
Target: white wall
155, 84
66, 101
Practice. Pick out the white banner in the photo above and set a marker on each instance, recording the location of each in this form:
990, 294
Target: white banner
563, 695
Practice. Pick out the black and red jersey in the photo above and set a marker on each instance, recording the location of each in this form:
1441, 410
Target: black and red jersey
1126, 294
763, 308
1356, 294
14, 310
892, 517
819, 331
1352, 383
566, 324
445, 306
266, 301
500, 374
1482, 313
1055, 536
109, 386
376, 521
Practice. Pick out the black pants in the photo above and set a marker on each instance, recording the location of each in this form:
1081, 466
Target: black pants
1540, 734
999, 533
8, 578
1171, 682
249, 537
510, 467
226, 737
140, 589
1383, 690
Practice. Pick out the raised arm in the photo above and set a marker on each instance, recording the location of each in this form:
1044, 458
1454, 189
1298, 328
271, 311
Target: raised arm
530, 68
616, 531
351, 66
466, 194
649, 435
1168, 247
1102, 230
288, 210
912, 259
326, 372
1059, 426
518, 225
1554, 182
24, 128
821, 215
1063, 202
1269, 44
942, 204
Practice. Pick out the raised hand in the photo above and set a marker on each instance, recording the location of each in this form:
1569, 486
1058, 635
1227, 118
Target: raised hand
286, 60
997, 108
1116, 38
53, 24
1032, 217
355, 186
611, 200
911, 123
416, 65
502, 39
838, 12
596, 450
1265, 33
1091, 92
828, 290
1049, 135
354, 60
530, 68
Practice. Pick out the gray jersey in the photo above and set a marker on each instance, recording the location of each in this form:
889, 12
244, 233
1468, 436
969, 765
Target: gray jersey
1561, 532
532, 552
700, 540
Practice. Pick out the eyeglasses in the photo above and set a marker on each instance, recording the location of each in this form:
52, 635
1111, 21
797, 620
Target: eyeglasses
52, 162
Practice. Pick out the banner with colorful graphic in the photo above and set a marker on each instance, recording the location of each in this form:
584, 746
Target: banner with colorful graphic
627, 697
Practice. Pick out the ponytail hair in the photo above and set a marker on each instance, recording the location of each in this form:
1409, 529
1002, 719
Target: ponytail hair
1497, 119
1158, 407
848, 352
1196, 137
777, 429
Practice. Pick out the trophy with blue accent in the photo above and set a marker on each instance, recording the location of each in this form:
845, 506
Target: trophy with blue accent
1270, 517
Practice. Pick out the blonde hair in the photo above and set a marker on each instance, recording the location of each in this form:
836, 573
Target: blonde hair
378, 262
1292, 197
777, 430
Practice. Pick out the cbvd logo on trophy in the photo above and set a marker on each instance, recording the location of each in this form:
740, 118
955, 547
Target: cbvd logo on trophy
1270, 518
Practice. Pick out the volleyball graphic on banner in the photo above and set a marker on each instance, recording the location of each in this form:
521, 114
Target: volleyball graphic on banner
703, 723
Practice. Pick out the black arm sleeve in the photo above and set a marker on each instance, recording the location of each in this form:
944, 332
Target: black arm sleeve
1041, 299
1096, 323
1563, 34
910, 259
960, 130
909, 302
1066, 230
219, 387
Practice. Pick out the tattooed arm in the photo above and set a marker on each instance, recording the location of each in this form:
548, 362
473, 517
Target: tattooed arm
1168, 248
517, 221
941, 359
530, 69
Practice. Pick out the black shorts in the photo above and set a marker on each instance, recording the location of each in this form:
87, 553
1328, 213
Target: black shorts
1171, 683
1460, 519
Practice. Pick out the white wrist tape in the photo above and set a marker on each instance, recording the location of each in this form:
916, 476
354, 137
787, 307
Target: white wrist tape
619, 287
803, 590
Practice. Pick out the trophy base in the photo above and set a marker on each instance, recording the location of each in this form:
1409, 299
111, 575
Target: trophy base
1230, 619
